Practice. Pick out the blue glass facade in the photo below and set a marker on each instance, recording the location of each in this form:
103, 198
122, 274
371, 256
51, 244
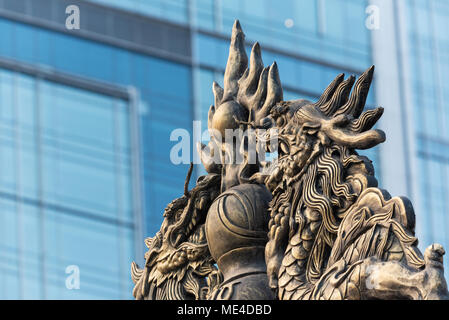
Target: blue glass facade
69, 191
65, 189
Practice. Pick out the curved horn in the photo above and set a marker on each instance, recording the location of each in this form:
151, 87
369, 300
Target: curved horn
327, 94
339, 97
274, 92
357, 101
249, 82
255, 68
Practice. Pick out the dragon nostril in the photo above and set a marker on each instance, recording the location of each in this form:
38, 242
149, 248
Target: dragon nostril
280, 122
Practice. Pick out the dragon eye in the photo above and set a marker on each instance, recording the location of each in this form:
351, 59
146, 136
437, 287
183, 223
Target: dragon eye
280, 121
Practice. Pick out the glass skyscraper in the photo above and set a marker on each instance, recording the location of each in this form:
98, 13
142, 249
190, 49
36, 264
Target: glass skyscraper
86, 117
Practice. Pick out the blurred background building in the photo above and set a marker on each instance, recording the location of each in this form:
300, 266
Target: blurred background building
86, 116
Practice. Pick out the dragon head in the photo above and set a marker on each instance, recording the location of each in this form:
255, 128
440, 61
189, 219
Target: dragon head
318, 171
303, 130
318, 174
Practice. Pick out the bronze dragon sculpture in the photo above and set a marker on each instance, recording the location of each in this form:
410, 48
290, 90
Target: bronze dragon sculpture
178, 265
312, 224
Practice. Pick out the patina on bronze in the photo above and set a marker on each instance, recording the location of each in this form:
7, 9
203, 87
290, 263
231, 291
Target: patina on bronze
310, 225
